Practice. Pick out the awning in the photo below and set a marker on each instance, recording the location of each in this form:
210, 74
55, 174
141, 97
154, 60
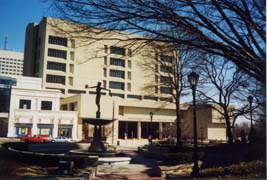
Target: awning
45, 125
97, 121
23, 125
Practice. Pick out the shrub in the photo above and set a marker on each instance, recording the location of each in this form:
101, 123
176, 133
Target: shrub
244, 170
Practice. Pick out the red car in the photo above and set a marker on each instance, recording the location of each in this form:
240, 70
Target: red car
35, 138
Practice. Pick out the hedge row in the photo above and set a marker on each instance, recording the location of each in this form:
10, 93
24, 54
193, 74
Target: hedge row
243, 170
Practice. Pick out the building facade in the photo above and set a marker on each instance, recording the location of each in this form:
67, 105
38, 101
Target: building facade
136, 77
6, 84
34, 110
11, 63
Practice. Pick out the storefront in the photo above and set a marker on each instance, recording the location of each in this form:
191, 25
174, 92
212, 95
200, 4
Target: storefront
45, 129
23, 129
65, 130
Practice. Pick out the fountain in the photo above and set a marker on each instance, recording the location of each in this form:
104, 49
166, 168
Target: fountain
97, 147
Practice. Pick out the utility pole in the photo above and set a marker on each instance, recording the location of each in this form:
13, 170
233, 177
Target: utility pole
5, 43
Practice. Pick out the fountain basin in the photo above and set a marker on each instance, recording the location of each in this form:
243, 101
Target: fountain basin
97, 121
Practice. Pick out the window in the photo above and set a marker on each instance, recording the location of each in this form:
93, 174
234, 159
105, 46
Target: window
105, 72
116, 73
104, 84
46, 105
166, 58
56, 66
72, 91
129, 87
129, 75
71, 68
72, 56
165, 68
129, 64
121, 109
73, 106
71, 81
116, 85
25, 104
151, 98
117, 50
132, 96
72, 42
165, 90
64, 107
165, 79
55, 79
105, 60
58, 41
166, 99
57, 53
118, 95
117, 62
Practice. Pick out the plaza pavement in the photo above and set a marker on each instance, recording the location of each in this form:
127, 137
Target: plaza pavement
140, 168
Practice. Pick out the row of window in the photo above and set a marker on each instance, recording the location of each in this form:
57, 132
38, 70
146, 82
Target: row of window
57, 53
55, 79
11, 73
26, 104
12, 68
116, 73
117, 62
8, 62
56, 66
11, 59
17, 67
60, 41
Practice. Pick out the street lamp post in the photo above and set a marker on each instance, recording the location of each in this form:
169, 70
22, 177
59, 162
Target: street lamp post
150, 128
193, 79
251, 133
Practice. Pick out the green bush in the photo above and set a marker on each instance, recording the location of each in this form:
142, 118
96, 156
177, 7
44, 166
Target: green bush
169, 157
244, 170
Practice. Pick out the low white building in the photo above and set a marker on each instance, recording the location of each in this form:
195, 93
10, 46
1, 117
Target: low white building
34, 110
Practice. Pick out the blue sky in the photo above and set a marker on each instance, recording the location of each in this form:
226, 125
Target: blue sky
14, 17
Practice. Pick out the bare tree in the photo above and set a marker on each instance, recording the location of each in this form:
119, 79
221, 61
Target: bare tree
231, 29
170, 66
224, 85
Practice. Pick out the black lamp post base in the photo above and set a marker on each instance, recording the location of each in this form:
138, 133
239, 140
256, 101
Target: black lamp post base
97, 146
195, 171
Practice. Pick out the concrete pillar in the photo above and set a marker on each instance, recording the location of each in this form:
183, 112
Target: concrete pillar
126, 130
34, 125
139, 130
75, 128
55, 129
160, 130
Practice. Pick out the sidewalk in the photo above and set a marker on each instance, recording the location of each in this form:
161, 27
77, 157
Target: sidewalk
139, 169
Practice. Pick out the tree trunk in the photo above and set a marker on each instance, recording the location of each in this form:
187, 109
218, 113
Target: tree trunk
178, 120
228, 127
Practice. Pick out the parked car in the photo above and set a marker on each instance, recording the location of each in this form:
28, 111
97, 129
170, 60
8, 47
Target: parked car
35, 138
62, 139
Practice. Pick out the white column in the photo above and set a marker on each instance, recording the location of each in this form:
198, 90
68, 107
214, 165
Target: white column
139, 130
74, 127
55, 128
11, 131
34, 124
160, 130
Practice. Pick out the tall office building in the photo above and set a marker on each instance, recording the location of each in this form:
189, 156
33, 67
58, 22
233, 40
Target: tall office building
135, 74
11, 62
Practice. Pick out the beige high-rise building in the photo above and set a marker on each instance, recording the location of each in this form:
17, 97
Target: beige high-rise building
67, 61
11, 62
